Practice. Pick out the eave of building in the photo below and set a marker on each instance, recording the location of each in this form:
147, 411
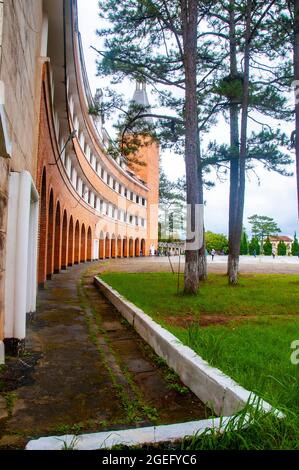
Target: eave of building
63, 53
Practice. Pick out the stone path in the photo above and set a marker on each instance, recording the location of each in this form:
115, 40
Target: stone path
85, 370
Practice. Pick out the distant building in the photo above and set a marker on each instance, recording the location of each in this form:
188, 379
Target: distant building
274, 240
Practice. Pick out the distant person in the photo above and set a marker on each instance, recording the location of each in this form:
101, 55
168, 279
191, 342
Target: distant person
254, 253
213, 252
273, 254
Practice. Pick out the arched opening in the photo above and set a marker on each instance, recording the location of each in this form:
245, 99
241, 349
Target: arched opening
43, 218
71, 243
131, 248
57, 247
77, 243
83, 244
125, 247
64, 243
107, 246
89, 245
143, 247
50, 238
137, 247
102, 246
113, 247
119, 247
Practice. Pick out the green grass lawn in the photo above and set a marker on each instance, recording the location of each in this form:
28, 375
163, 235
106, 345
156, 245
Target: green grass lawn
253, 347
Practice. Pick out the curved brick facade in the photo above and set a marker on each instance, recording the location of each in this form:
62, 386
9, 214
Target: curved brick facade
90, 206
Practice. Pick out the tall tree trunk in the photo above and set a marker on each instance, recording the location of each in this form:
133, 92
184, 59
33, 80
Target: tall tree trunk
189, 28
243, 147
202, 258
296, 77
233, 253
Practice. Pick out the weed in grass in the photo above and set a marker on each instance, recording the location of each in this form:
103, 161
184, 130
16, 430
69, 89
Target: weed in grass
70, 445
151, 413
10, 398
250, 429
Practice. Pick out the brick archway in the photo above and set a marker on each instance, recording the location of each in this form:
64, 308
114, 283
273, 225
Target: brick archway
113, 246
102, 246
50, 237
64, 243
125, 247
137, 247
89, 245
83, 244
119, 248
143, 247
107, 246
77, 243
43, 236
71, 243
57, 239
131, 248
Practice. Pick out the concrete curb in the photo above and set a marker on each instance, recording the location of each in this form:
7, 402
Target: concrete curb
209, 384
129, 437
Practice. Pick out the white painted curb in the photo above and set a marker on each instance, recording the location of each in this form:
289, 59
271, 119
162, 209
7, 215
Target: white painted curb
129, 437
209, 384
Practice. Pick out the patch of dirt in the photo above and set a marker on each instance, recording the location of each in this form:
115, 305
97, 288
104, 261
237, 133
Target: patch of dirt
18, 371
205, 320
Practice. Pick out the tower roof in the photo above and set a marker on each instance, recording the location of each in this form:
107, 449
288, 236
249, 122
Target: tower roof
140, 97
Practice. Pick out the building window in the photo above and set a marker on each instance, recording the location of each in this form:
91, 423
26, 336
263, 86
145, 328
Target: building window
126, 192
119, 188
114, 185
137, 199
108, 179
102, 173
131, 196
136, 219
142, 222
131, 219
113, 212
143, 201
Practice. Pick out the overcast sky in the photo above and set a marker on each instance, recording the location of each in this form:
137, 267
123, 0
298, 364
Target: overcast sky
274, 195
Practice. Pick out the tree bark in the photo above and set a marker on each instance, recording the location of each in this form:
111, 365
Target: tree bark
202, 258
189, 17
233, 253
296, 78
233, 277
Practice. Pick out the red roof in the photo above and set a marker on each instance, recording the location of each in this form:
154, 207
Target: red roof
281, 238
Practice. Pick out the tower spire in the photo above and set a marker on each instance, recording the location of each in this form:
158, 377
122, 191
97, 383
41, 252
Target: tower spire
140, 96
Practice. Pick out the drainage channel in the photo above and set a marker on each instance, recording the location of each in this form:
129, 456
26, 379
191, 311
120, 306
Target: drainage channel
150, 393
85, 370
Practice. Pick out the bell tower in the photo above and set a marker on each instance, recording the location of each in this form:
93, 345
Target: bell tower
148, 155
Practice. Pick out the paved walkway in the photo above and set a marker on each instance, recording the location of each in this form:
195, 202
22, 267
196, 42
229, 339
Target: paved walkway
248, 264
85, 370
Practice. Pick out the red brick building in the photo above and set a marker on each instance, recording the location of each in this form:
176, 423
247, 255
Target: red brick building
63, 199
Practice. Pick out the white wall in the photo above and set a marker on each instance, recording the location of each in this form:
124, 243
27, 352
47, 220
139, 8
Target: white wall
21, 254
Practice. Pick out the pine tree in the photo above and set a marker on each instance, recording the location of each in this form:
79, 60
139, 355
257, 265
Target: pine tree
158, 42
254, 247
267, 248
244, 244
281, 248
245, 22
295, 246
